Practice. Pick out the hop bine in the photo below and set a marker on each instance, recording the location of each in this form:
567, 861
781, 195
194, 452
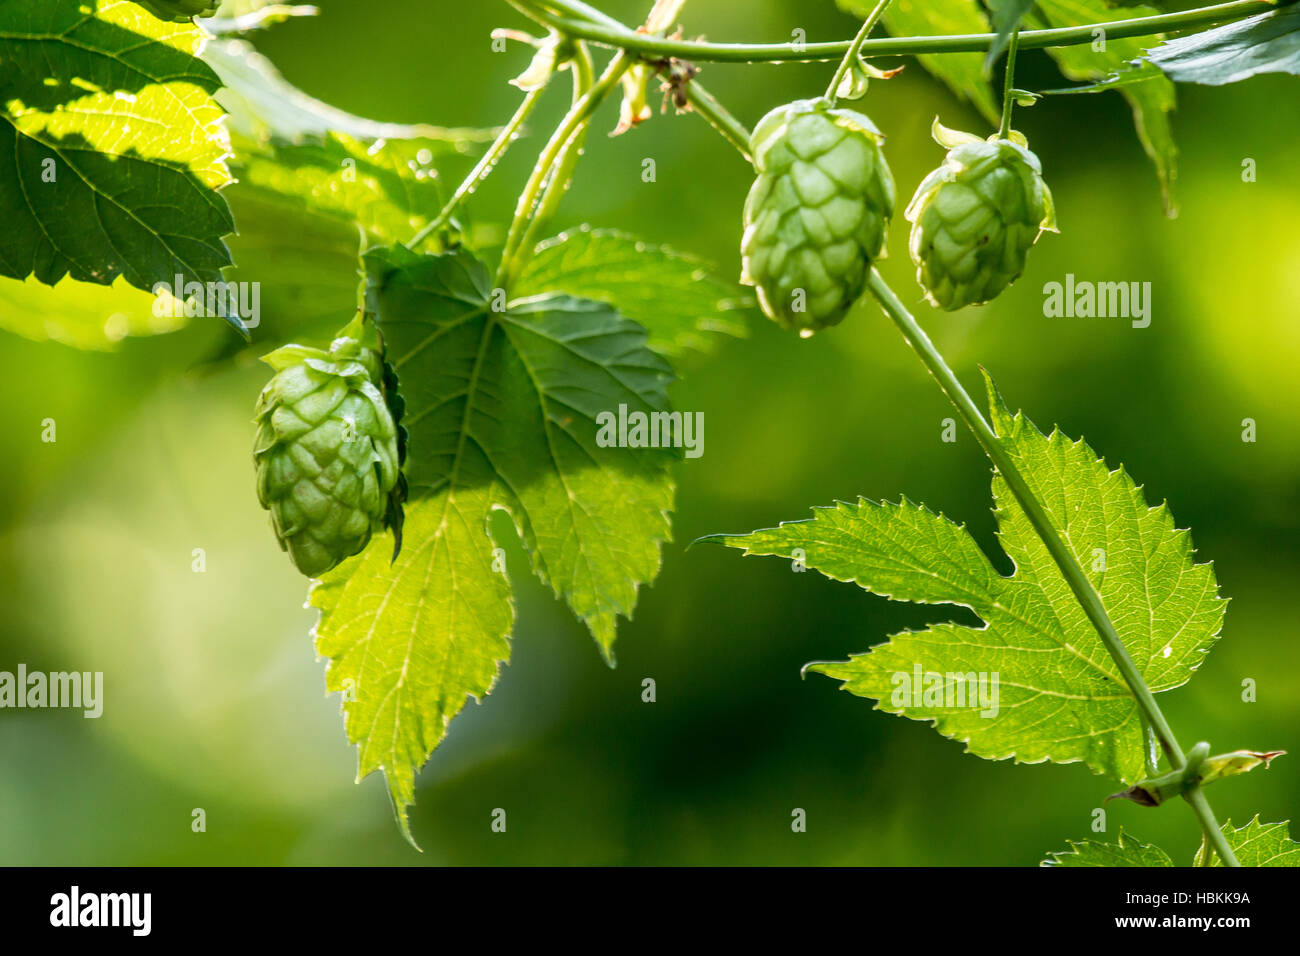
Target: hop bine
816, 215
975, 217
329, 450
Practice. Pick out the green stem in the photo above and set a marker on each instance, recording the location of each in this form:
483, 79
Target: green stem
1210, 826
557, 184
1009, 84
851, 57
610, 33
512, 258
1075, 578
584, 70
701, 100
583, 11
481, 169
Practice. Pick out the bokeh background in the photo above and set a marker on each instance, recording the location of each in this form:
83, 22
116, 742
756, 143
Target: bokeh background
214, 698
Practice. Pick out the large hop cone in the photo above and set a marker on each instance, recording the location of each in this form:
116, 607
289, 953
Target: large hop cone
975, 217
329, 450
816, 215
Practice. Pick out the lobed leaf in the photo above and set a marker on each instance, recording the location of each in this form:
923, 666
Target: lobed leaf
502, 411
1055, 692
114, 144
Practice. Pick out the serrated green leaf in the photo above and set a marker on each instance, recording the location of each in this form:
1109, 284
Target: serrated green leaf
115, 147
1125, 851
1268, 43
82, 314
502, 410
1256, 844
409, 641
962, 72
672, 295
1151, 100
1056, 693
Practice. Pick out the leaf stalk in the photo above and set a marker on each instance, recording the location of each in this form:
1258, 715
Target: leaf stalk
1009, 85
548, 162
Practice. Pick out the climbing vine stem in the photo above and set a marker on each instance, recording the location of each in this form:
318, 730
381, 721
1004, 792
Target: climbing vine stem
541, 178
557, 182
579, 21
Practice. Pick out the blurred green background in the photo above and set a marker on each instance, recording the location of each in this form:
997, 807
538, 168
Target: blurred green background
214, 698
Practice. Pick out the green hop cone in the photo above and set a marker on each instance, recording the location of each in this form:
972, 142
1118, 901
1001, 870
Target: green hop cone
179, 10
816, 215
975, 217
329, 450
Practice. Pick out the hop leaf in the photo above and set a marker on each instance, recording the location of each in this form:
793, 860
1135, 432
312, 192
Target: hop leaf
503, 410
1033, 681
816, 215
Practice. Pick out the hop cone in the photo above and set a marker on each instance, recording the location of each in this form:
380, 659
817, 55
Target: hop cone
816, 215
179, 10
329, 450
975, 217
